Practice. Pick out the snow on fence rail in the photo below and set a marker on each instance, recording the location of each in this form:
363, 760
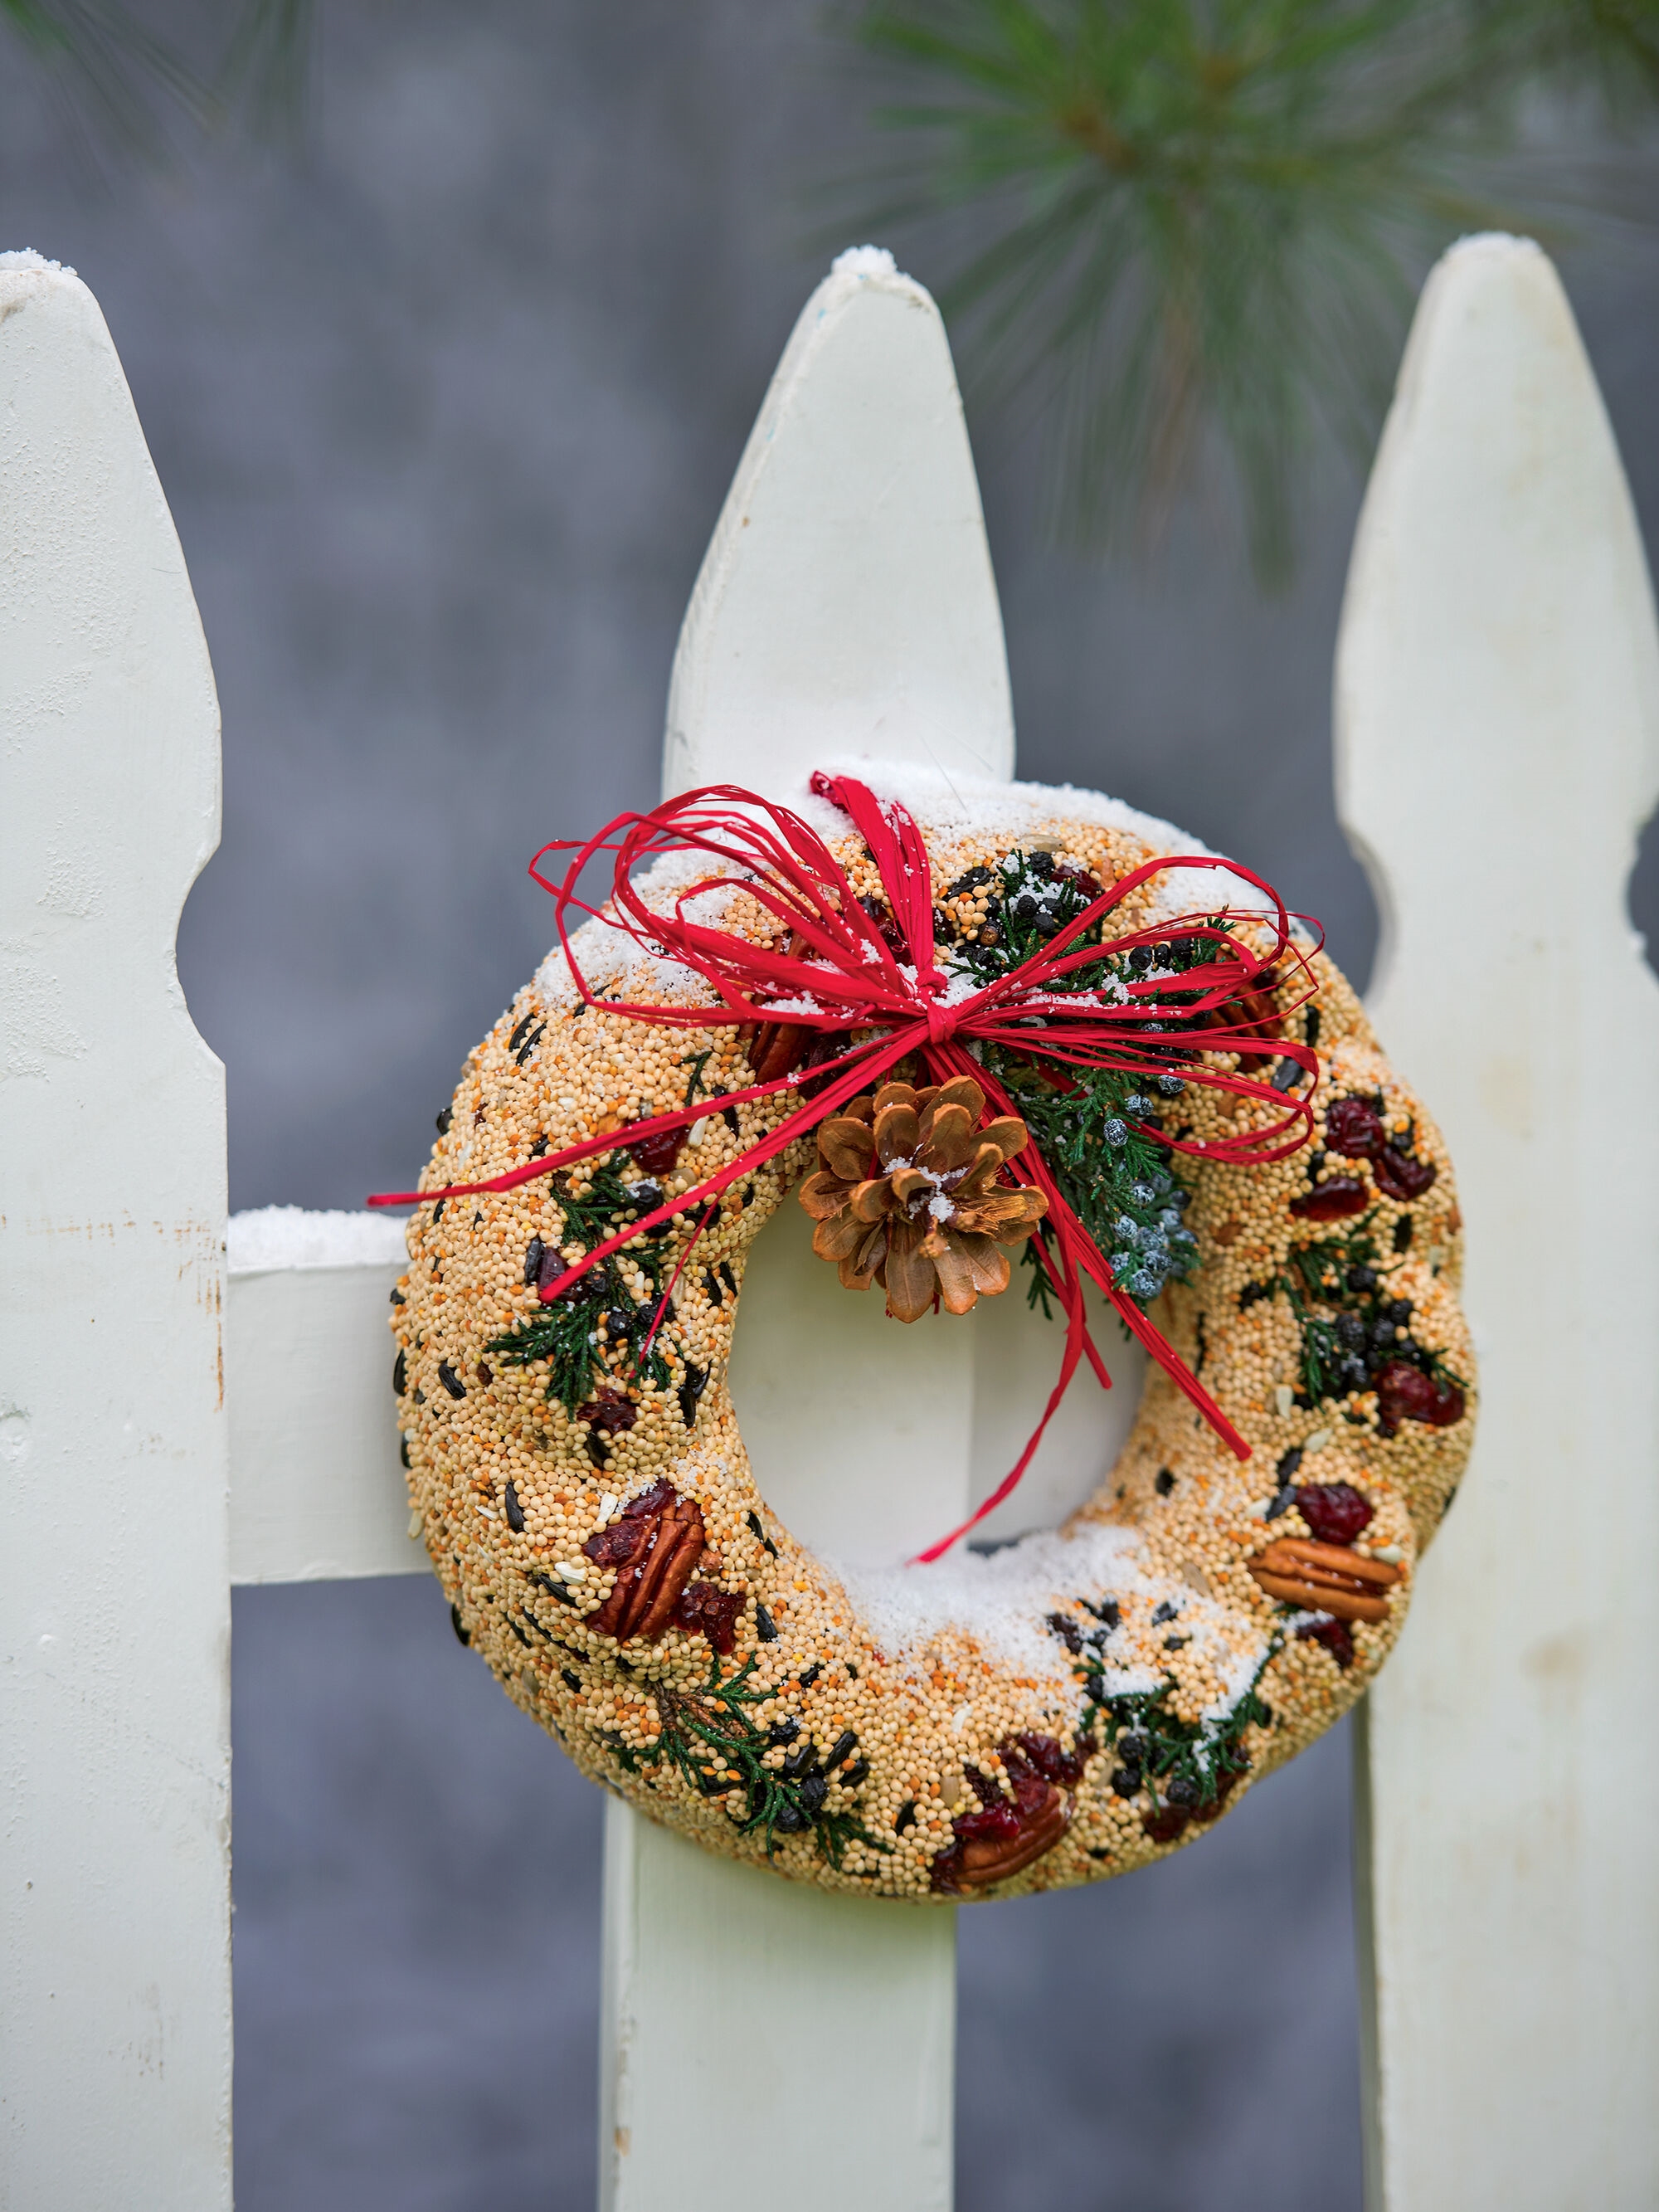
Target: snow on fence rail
1497, 750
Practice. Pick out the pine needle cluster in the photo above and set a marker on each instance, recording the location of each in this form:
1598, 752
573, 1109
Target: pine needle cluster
127, 89
1175, 223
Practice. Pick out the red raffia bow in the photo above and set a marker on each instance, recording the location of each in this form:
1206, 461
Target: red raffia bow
832, 970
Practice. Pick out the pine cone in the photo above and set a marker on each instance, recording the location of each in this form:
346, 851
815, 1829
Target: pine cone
908, 1196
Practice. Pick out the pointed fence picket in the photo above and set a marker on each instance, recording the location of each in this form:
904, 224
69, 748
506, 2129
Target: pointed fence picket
1497, 748
1498, 751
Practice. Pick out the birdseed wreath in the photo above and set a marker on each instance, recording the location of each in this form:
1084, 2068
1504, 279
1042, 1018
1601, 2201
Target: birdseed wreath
982, 1034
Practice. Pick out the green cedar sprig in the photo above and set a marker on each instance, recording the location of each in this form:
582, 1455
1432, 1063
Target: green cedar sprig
1315, 1283
1202, 1752
1097, 1128
566, 1332
715, 1719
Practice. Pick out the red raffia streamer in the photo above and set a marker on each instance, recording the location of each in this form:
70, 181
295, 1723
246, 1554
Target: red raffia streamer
832, 969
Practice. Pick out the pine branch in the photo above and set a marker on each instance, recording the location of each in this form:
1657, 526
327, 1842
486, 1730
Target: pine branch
127, 89
1170, 222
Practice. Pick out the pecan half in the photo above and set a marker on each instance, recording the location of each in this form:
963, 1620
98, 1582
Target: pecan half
1325, 1578
1006, 1835
655, 1543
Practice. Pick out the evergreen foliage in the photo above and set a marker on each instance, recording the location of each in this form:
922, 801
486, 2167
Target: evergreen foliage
708, 1735
1172, 221
567, 1332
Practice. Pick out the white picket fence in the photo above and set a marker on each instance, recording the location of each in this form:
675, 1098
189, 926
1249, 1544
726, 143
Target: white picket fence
1497, 740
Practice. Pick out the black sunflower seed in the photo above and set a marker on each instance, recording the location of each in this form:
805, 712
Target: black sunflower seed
846, 1741
514, 1509
451, 1381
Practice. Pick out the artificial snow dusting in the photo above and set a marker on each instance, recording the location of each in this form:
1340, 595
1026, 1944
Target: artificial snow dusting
864, 261
25, 256
1003, 1599
282, 1237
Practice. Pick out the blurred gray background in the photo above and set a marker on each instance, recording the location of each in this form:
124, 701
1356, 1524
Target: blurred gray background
446, 404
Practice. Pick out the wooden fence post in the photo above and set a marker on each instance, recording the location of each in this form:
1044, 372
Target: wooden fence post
114, 1701
847, 606
1497, 748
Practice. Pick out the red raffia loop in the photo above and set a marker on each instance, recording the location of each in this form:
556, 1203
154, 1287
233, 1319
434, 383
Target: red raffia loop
831, 968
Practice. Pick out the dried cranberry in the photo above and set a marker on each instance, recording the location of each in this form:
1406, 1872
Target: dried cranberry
615, 1546
704, 1610
1401, 1177
1067, 872
1448, 1406
1334, 1635
1334, 1512
625, 1539
611, 1414
1030, 1790
1052, 1764
1225, 1782
1404, 1393
997, 1823
1334, 1199
886, 928
1166, 1824
657, 1153
946, 1869
1354, 1127
1407, 1394
982, 1786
